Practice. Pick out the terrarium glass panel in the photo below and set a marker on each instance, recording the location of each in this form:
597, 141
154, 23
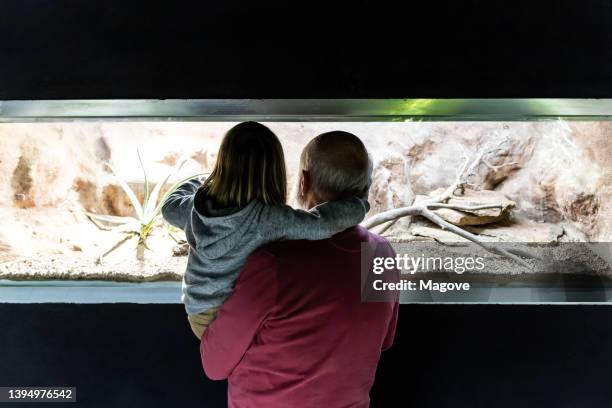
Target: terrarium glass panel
546, 185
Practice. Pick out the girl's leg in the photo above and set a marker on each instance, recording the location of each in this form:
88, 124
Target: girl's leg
199, 322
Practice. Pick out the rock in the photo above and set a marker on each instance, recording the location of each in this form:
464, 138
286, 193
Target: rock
520, 230
403, 237
114, 201
22, 183
390, 186
5, 252
582, 209
472, 198
88, 194
434, 159
516, 230
170, 159
4, 247
571, 233
180, 249
436, 168
509, 151
434, 233
564, 180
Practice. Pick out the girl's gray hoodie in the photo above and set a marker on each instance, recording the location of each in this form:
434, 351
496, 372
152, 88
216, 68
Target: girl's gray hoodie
221, 240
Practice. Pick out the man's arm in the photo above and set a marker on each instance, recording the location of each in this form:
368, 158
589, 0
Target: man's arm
177, 208
241, 316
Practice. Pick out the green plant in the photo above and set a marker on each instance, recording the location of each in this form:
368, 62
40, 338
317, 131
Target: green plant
147, 213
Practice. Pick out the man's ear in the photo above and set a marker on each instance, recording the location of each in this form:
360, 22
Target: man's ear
305, 183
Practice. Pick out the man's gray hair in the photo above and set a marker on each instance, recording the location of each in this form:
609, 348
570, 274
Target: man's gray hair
338, 164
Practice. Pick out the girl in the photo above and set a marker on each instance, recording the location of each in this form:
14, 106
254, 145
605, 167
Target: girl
238, 208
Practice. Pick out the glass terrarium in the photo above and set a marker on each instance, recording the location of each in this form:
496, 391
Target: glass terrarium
527, 184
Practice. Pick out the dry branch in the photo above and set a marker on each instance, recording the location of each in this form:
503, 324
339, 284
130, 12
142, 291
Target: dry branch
115, 246
425, 207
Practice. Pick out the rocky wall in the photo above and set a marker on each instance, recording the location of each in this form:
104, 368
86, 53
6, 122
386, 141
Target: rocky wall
555, 172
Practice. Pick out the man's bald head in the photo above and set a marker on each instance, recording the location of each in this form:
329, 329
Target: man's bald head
334, 165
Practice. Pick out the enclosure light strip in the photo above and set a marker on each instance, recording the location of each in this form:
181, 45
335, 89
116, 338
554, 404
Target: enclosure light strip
304, 109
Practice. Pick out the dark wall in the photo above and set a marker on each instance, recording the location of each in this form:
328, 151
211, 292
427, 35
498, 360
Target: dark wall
116, 355
445, 356
62, 49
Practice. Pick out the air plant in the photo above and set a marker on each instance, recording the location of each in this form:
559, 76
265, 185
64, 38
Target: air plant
147, 213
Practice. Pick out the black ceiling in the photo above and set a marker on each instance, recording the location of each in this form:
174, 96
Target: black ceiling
67, 49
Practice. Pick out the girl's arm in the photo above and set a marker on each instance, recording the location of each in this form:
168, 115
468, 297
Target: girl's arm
177, 208
321, 222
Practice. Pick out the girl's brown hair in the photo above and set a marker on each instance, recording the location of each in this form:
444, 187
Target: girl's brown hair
250, 166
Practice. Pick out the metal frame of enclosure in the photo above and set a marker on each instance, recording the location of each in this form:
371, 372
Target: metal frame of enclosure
320, 110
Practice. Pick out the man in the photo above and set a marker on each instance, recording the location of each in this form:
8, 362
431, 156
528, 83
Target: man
295, 332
